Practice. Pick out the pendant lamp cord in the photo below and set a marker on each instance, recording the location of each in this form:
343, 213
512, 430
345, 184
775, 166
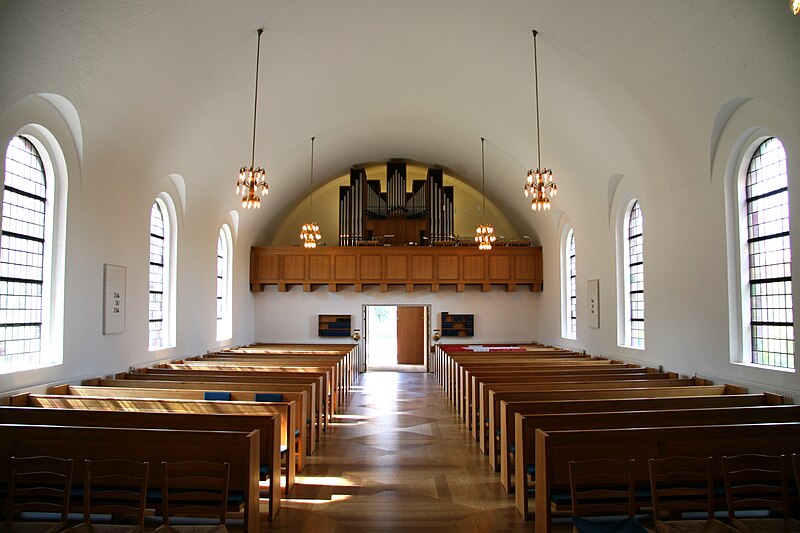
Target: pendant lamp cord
312, 178
536, 85
255, 100
483, 181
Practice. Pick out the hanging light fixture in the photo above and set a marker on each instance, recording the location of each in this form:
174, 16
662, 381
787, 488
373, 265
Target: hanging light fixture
309, 233
484, 233
252, 180
539, 181
795, 6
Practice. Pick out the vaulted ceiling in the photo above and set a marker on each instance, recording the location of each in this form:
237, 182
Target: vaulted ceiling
627, 87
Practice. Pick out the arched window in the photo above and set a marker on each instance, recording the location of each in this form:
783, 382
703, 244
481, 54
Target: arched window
634, 281
569, 301
768, 261
24, 250
224, 284
161, 312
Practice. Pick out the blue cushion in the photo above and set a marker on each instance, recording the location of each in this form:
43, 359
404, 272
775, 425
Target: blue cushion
512, 449
296, 433
217, 395
561, 497
269, 397
530, 469
626, 525
263, 470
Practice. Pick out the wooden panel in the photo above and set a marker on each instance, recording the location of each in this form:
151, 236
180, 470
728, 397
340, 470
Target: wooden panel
410, 335
421, 267
294, 267
371, 267
473, 267
523, 267
319, 267
416, 267
268, 266
499, 267
396, 267
345, 267
448, 267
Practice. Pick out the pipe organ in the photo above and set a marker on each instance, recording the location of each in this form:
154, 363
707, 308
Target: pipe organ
396, 216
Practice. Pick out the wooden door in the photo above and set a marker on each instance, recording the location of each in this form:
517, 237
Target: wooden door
410, 335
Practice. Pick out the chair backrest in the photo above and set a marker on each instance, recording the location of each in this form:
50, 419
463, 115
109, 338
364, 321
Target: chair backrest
681, 484
195, 489
602, 487
115, 487
756, 482
40, 484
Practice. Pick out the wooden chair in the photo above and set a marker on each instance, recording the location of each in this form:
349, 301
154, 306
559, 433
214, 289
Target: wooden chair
115, 487
758, 483
197, 489
38, 484
681, 485
603, 488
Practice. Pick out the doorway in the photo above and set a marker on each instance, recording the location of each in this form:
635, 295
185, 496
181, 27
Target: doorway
396, 337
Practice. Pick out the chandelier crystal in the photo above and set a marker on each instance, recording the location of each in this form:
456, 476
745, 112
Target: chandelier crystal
539, 183
309, 233
484, 233
252, 180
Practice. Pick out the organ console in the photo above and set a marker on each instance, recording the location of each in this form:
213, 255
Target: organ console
396, 216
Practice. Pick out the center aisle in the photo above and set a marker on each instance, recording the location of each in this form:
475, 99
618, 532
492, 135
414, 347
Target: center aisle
397, 460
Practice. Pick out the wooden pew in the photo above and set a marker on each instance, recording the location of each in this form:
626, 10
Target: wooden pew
299, 428
509, 410
589, 373
248, 371
267, 426
240, 449
286, 411
300, 393
521, 372
490, 404
554, 450
207, 376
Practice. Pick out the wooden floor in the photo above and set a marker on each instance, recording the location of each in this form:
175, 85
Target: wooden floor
397, 459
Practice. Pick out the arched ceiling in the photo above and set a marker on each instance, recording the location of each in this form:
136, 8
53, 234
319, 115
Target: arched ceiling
626, 86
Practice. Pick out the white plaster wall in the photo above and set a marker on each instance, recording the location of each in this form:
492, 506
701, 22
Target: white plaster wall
292, 316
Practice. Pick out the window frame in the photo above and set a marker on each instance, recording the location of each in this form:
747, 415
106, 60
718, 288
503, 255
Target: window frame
225, 322
569, 327
743, 352
169, 271
624, 315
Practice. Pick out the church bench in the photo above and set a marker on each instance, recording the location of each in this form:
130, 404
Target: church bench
489, 404
509, 410
299, 428
225, 408
604, 373
238, 376
299, 393
267, 426
232, 368
555, 449
239, 448
459, 381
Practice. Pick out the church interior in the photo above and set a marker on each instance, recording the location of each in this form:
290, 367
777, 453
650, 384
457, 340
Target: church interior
635, 163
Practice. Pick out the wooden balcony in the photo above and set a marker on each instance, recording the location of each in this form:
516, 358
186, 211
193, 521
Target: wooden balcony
413, 267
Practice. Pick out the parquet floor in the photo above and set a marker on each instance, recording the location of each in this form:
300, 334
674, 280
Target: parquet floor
397, 459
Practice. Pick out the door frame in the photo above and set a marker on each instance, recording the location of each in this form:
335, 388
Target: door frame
428, 323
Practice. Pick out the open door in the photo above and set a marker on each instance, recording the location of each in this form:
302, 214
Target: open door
410, 335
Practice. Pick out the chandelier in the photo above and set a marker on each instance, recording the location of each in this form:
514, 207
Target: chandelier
539, 182
252, 180
309, 233
484, 233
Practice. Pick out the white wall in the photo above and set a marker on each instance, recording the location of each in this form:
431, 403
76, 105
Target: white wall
292, 316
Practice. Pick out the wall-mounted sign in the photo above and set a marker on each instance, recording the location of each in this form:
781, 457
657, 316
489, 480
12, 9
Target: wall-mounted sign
593, 299
113, 299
